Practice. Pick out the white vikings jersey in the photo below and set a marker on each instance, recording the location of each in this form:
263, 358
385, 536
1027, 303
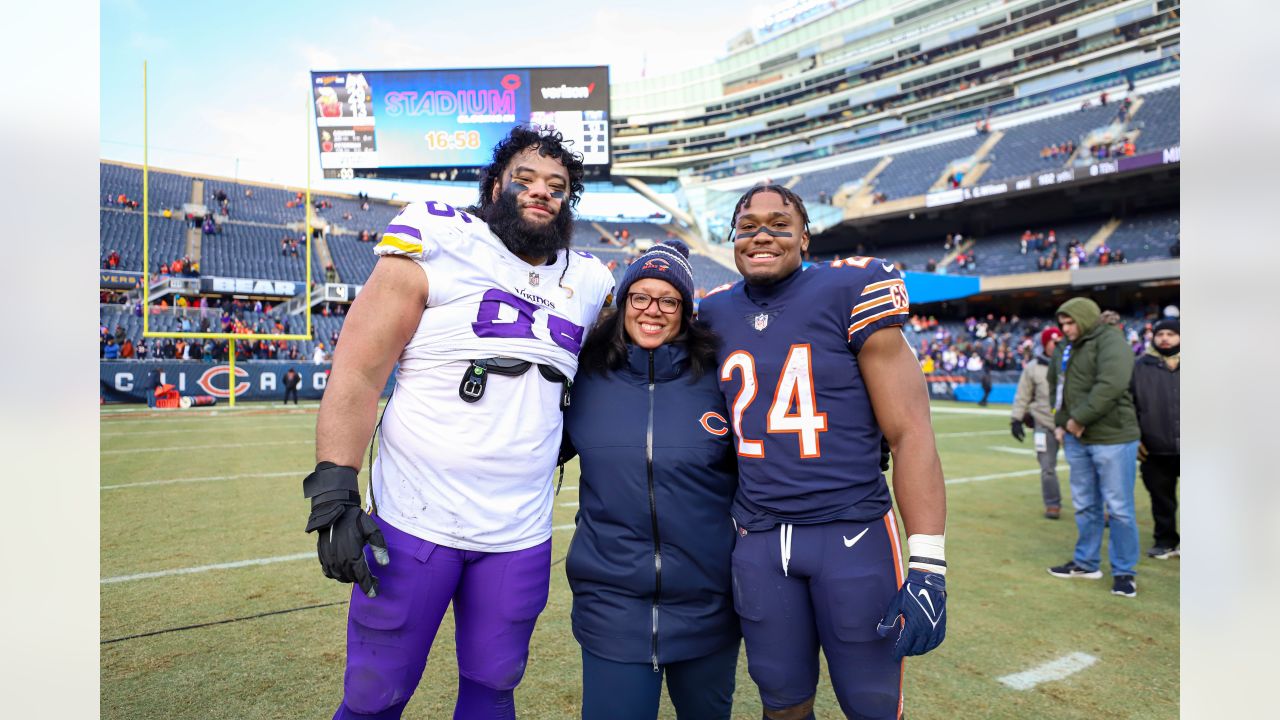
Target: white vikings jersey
478, 476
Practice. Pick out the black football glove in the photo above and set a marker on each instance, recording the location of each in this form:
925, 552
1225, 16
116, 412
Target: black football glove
1015, 427
884, 454
344, 527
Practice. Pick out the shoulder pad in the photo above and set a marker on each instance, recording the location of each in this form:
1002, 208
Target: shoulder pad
419, 227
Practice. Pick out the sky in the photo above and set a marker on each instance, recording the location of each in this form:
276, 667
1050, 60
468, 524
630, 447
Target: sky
228, 85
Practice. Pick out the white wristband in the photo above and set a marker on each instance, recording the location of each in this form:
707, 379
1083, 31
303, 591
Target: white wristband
927, 552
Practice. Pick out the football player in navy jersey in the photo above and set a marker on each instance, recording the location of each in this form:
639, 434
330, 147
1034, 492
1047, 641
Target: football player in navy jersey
815, 372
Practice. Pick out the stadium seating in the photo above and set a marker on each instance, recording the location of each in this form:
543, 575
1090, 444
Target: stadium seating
829, 180
1159, 120
708, 273
268, 204
353, 259
913, 172
167, 189
121, 230
1018, 152
1001, 253
250, 251
915, 256
1147, 237
375, 219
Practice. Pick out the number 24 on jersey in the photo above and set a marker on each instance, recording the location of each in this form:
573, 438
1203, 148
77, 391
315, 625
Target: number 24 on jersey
794, 389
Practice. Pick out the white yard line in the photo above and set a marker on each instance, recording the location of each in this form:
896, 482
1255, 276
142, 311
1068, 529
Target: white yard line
303, 556
251, 405
997, 476
1063, 667
211, 478
971, 434
1012, 450
967, 411
180, 431
206, 447
206, 568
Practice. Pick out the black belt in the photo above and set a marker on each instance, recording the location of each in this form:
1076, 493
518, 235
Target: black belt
477, 374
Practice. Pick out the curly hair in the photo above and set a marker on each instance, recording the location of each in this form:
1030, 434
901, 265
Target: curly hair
550, 144
788, 198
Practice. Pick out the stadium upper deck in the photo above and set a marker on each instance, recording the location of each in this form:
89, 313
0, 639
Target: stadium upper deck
837, 76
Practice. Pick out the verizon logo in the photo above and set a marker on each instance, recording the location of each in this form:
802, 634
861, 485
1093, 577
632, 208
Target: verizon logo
565, 92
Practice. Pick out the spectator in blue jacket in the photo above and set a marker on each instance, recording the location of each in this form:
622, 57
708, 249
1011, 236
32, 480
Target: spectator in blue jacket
649, 564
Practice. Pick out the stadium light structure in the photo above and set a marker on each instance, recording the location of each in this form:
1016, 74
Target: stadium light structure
146, 258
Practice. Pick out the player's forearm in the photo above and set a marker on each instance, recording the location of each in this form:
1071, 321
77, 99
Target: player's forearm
917, 483
347, 416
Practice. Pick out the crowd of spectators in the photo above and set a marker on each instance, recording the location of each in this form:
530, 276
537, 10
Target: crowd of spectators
1058, 151
1006, 342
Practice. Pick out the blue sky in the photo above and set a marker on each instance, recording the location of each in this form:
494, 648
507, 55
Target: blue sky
228, 86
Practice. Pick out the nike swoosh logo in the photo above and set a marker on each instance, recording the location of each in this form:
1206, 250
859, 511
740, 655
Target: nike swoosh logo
856, 538
930, 612
887, 267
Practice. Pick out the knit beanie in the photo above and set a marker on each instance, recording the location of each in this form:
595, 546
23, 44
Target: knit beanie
1049, 333
668, 260
1168, 323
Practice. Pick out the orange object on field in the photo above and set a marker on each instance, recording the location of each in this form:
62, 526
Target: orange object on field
167, 396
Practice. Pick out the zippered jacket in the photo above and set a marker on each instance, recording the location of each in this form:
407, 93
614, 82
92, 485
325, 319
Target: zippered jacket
649, 561
1033, 393
1095, 391
1156, 396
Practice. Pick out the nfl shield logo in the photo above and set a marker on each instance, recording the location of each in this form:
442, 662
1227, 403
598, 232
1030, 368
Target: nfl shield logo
761, 321
534, 278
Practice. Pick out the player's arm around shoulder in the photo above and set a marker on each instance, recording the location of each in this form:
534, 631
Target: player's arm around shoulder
900, 401
380, 323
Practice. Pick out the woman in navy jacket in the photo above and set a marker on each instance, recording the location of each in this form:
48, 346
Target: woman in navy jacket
649, 562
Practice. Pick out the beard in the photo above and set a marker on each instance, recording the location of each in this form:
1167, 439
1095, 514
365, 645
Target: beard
526, 238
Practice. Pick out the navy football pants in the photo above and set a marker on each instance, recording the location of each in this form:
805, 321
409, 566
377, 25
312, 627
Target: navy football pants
801, 587
700, 689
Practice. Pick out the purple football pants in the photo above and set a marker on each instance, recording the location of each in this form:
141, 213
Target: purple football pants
801, 588
496, 597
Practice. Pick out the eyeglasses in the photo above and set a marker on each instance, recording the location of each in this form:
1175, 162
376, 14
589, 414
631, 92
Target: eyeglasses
641, 302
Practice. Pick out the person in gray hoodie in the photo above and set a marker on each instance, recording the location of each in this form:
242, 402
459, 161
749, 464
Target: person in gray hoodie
1032, 401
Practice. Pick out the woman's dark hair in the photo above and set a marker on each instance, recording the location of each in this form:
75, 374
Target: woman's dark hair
521, 138
606, 347
788, 198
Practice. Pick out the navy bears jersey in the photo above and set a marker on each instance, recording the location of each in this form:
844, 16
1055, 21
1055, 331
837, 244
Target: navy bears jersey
807, 440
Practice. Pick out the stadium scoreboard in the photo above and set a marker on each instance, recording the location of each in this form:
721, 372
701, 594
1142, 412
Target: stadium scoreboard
443, 124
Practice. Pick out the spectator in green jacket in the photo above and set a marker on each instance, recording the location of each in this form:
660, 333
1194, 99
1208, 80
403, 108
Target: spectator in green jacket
1095, 421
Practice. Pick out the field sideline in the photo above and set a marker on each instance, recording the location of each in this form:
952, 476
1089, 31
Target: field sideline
213, 606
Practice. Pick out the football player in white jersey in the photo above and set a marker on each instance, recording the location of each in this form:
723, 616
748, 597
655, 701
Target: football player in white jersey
484, 309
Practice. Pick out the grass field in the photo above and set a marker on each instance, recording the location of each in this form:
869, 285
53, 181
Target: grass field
264, 638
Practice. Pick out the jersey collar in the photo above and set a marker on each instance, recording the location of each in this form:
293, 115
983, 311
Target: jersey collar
757, 293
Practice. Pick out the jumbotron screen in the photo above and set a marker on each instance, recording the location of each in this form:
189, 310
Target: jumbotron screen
443, 124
